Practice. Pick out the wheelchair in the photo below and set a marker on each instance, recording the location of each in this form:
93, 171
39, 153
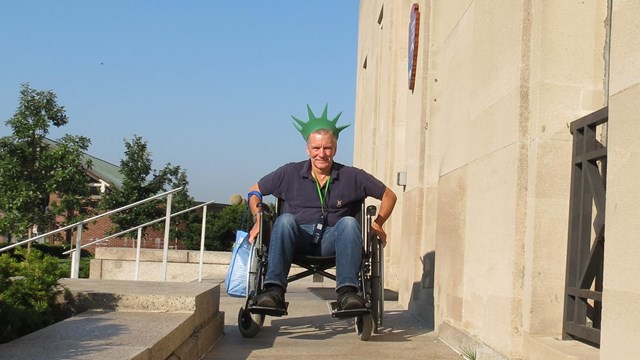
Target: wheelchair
368, 320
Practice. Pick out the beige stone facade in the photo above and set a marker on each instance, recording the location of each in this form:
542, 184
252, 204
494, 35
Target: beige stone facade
478, 240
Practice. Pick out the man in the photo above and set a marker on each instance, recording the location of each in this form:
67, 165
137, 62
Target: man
321, 199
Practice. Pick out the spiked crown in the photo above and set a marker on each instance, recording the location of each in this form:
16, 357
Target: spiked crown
314, 123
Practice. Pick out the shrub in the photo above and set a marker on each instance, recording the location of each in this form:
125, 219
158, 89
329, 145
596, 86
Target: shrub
28, 289
65, 267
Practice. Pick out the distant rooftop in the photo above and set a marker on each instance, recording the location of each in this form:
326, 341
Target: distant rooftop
100, 169
105, 171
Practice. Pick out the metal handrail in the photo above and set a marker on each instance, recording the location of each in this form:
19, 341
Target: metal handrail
165, 253
75, 258
75, 252
138, 227
67, 227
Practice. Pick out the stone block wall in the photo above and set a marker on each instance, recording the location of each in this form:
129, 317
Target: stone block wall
182, 265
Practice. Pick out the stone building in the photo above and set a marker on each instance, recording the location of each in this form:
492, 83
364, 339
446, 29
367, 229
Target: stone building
469, 109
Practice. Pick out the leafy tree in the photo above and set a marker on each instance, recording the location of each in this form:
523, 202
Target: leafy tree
33, 167
141, 181
176, 177
221, 232
73, 201
220, 229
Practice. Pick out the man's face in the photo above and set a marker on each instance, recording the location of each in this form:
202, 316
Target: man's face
321, 148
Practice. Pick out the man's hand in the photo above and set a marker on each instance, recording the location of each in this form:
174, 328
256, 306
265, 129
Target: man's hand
387, 203
254, 202
253, 233
378, 230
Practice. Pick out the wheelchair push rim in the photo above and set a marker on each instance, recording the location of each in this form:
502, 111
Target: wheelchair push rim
249, 324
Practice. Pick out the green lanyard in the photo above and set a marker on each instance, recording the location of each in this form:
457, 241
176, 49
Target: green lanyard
326, 188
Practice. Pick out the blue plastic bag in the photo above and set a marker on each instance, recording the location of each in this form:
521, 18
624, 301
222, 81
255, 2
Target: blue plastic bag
236, 280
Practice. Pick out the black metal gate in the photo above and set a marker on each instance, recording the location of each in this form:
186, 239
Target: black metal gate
585, 251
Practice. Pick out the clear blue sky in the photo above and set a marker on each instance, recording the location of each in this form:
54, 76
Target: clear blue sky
210, 85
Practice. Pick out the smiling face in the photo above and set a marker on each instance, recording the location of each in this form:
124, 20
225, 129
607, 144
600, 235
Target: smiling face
321, 148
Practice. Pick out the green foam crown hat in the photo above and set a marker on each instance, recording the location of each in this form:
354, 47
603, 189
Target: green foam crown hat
314, 123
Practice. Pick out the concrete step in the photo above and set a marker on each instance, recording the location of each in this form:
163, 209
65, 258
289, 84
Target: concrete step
128, 320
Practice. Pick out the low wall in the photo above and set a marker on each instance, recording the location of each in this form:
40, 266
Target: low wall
114, 263
139, 320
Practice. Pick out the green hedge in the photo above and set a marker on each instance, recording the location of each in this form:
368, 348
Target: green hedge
58, 252
28, 291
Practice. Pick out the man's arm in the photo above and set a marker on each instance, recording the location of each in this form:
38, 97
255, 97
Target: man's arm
253, 207
387, 204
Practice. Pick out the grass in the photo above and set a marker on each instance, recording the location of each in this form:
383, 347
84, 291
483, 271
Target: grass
468, 353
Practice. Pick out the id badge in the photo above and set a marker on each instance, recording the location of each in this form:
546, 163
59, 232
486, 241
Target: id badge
318, 230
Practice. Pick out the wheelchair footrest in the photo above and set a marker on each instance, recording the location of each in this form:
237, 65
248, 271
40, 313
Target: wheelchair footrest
270, 311
351, 313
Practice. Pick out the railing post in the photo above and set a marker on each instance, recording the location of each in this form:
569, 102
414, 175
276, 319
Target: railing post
75, 258
138, 246
167, 223
586, 237
204, 225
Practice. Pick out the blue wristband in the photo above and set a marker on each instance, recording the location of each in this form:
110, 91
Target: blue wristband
254, 193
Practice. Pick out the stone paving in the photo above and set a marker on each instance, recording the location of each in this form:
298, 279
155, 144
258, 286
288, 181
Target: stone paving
309, 332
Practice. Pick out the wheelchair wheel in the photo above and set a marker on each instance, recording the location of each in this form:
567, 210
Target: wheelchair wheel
364, 326
247, 325
377, 286
253, 273
376, 311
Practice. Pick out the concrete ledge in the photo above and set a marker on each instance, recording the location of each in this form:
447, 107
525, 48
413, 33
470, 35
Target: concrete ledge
99, 335
535, 347
554, 348
461, 341
133, 320
126, 295
201, 341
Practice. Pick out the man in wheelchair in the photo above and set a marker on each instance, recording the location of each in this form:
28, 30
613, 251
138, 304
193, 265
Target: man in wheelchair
321, 201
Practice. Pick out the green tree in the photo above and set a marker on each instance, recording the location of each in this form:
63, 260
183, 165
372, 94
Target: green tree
73, 201
221, 231
33, 167
191, 230
180, 229
220, 228
141, 181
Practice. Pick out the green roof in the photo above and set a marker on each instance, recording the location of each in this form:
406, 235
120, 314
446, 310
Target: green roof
105, 171
100, 169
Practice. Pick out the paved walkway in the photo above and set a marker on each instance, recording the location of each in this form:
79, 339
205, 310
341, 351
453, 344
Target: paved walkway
309, 332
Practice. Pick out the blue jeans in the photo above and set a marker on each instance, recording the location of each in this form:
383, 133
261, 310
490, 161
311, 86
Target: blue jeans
288, 238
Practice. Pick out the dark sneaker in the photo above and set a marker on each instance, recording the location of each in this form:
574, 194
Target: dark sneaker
350, 301
273, 297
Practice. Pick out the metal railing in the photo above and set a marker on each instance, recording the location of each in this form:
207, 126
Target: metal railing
165, 252
75, 253
585, 248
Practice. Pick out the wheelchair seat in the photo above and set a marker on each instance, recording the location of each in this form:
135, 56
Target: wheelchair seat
313, 265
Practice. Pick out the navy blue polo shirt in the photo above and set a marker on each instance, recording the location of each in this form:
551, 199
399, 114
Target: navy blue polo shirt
294, 184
